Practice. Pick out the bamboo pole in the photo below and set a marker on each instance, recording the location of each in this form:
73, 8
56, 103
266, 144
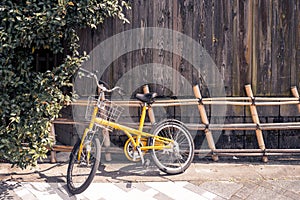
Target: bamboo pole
206, 152
150, 110
212, 127
204, 119
255, 119
296, 94
235, 101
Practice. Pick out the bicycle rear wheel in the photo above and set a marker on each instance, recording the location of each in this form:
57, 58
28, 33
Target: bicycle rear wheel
177, 159
81, 172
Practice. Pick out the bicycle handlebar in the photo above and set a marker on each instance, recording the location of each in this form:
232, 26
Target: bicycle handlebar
103, 88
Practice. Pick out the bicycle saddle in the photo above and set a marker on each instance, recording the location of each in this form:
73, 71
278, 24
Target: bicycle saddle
146, 98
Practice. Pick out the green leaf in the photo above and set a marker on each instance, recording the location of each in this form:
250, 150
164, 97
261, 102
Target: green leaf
29, 28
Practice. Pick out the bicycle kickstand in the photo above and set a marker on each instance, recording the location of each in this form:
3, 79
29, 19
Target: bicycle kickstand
140, 154
146, 162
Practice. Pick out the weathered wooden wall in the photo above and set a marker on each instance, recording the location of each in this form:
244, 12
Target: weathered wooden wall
251, 41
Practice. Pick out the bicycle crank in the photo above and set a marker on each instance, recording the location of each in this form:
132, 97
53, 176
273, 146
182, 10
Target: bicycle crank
131, 153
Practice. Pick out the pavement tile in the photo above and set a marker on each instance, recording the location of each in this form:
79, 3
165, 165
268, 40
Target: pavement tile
225, 189
272, 187
162, 196
234, 197
291, 185
175, 190
247, 189
200, 191
263, 193
292, 195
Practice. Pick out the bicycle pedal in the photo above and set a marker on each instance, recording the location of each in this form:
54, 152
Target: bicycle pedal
135, 156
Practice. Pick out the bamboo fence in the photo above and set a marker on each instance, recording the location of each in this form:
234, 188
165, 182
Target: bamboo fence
198, 101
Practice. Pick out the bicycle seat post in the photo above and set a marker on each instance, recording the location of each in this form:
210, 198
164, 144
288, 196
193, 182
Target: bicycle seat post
143, 116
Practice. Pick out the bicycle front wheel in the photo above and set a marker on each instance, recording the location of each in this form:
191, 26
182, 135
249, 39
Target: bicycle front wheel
177, 156
81, 172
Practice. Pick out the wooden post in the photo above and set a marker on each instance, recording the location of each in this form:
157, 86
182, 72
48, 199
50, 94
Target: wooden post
296, 94
204, 119
255, 119
53, 158
106, 138
150, 110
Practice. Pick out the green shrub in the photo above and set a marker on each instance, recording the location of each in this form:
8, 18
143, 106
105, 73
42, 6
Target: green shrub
30, 100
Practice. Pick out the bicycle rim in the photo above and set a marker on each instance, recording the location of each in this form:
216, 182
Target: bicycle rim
81, 172
178, 158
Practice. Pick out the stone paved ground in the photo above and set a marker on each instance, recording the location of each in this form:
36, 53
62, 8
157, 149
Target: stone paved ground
203, 180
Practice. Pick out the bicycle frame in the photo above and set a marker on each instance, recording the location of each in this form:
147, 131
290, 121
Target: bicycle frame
161, 142
169, 142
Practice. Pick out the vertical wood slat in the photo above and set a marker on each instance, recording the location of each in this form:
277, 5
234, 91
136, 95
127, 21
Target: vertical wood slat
275, 52
254, 44
235, 82
256, 120
204, 119
176, 25
264, 47
248, 41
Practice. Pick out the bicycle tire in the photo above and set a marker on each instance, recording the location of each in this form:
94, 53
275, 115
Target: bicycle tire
180, 157
77, 182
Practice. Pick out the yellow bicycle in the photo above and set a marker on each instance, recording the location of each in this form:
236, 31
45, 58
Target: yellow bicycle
169, 142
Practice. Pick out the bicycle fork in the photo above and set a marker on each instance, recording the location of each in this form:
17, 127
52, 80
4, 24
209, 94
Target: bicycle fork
85, 142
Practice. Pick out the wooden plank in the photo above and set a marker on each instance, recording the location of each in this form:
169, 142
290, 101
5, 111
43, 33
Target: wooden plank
254, 45
242, 45
264, 53
264, 47
293, 40
283, 77
275, 48
297, 43
136, 58
248, 25
224, 39
177, 44
122, 64
218, 38
162, 18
